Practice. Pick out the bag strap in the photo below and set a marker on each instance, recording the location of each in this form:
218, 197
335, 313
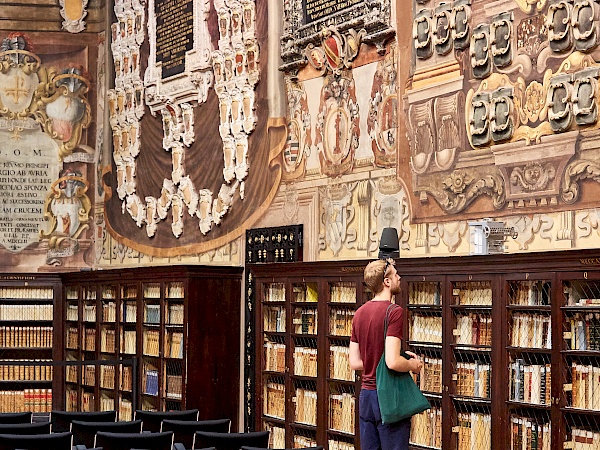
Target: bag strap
385, 323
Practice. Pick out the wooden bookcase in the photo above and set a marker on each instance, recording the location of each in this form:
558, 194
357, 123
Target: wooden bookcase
170, 337
29, 310
511, 345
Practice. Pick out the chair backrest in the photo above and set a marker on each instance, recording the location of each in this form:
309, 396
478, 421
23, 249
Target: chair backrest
127, 441
151, 420
230, 441
20, 417
61, 420
184, 430
25, 428
85, 432
318, 447
56, 441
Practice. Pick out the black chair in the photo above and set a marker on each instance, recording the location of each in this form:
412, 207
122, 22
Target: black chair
56, 441
318, 447
184, 430
25, 428
20, 417
61, 420
151, 420
127, 441
84, 433
230, 441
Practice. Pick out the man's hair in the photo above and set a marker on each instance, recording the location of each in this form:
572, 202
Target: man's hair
374, 275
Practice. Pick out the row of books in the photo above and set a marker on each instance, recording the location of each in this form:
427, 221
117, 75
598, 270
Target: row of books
27, 293
339, 363
35, 400
274, 400
107, 403
426, 428
422, 293
274, 356
473, 379
340, 322
107, 377
175, 290
526, 433
72, 338
473, 329
174, 386
305, 406
128, 342
425, 329
152, 290
27, 372
125, 409
129, 312
301, 441
89, 375
274, 319
585, 386
531, 331
89, 313
151, 341
150, 382
71, 400
107, 340
129, 292
342, 292
109, 292
584, 439
72, 311
87, 402
335, 444
152, 314
305, 361
474, 431
89, 342
109, 312
173, 345
126, 382
26, 337
530, 293
89, 293
472, 293
276, 436
305, 293
175, 313
430, 377
26, 312
584, 332
342, 412
305, 320
530, 383
275, 292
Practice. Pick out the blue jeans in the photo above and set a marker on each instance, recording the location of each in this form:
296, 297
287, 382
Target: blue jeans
375, 435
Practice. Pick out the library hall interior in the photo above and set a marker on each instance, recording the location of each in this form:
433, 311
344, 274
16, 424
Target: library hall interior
300, 224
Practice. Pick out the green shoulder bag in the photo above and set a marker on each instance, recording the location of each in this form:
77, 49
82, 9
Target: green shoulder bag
399, 397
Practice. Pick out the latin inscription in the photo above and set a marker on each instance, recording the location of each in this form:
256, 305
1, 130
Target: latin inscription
174, 34
317, 9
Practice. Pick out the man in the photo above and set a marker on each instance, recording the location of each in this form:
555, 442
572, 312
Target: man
366, 347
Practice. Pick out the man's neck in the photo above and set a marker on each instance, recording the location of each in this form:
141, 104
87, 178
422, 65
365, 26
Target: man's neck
383, 296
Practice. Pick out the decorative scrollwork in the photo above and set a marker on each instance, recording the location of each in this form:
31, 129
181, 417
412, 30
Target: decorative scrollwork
575, 172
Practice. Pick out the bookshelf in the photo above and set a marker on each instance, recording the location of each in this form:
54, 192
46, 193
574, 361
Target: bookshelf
28, 313
163, 332
511, 345
304, 387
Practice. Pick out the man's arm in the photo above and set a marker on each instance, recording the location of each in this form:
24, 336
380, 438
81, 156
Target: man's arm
396, 362
356, 362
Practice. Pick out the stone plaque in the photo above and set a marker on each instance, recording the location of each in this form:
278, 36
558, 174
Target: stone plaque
317, 9
28, 166
174, 34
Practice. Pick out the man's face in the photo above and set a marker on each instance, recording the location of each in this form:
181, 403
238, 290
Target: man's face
394, 278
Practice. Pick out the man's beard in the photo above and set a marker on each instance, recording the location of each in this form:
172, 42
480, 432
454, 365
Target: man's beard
396, 289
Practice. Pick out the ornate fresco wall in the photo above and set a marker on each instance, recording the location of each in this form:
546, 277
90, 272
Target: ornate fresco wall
170, 151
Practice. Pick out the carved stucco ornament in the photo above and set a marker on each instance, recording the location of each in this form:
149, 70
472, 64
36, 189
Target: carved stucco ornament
528, 6
558, 23
501, 31
461, 188
575, 172
336, 51
558, 102
481, 63
583, 18
460, 18
73, 12
421, 33
585, 94
442, 29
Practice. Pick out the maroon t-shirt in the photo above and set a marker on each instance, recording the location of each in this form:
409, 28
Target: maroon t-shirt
367, 330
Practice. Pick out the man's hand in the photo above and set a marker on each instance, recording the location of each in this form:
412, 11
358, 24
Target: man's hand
415, 363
